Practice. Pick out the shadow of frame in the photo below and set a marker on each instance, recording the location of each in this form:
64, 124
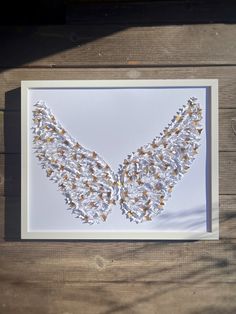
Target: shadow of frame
81, 22
12, 165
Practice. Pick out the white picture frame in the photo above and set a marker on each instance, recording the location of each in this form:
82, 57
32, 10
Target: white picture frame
212, 212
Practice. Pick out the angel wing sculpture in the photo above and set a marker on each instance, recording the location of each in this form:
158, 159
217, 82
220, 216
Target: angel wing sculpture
144, 181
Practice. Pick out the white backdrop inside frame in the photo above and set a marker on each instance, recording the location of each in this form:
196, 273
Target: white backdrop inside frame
114, 122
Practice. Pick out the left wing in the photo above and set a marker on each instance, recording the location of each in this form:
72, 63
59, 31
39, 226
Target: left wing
83, 177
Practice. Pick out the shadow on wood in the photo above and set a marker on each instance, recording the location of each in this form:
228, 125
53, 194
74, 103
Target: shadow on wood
89, 22
12, 175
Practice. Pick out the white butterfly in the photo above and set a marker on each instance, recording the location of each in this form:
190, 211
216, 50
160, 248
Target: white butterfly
144, 181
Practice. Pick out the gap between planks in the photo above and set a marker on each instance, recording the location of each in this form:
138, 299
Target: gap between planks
131, 65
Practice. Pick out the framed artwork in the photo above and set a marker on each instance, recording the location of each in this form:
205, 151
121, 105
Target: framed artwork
119, 159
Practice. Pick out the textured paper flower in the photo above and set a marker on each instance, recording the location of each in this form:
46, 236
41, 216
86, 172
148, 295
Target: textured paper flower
144, 181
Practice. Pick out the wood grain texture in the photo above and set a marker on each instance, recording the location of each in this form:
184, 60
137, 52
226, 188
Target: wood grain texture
227, 172
10, 79
2, 138
227, 216
116, 45
117, 298
196, 262
227, 129
103, 277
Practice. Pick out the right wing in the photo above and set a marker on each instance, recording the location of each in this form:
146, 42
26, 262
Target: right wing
84, 178
148, 175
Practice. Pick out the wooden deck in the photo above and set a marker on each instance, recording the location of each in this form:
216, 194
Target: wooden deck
192, 277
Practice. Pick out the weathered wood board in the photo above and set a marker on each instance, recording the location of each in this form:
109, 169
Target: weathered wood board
124, 276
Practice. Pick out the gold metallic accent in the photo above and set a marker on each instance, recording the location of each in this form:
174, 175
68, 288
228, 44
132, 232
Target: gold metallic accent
49, 172
104, 217
77, 146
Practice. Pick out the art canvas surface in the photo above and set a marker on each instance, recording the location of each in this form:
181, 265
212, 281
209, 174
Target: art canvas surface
115, 121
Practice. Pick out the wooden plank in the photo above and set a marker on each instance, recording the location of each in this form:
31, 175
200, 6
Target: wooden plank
196, 262
118, 45
3, 133
117, 277
10, 124
10, 132
10, 79
107, 298
3, 218
123, 12
122, 298
10, 213
227, 129
129, 13
227, 173
10, 218
10, 174
227, 216
25, 13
